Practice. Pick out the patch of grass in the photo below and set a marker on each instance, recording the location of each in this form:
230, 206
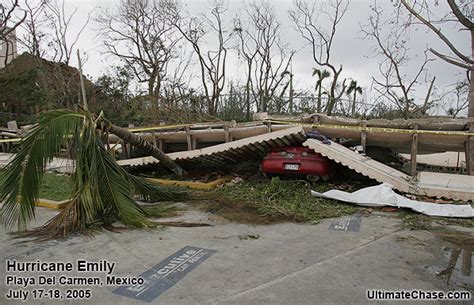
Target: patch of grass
288, 200
54, 187
415, 221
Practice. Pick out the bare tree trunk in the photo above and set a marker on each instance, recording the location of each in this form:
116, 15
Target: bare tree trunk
291, 94
470, 115
471, 95
354, 104
247, 100
144, 145
333, 99
470, 111
318, 110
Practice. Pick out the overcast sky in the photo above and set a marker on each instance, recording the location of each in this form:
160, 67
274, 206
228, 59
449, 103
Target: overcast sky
350, 50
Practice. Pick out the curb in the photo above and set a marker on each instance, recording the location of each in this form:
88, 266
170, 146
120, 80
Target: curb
191, 184
51, 204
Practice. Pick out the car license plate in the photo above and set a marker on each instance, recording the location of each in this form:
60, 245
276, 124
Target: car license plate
292, 167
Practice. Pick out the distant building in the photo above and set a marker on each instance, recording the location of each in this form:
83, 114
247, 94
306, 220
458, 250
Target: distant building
8, 49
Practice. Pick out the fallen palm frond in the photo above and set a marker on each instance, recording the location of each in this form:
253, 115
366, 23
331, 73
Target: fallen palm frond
103, 192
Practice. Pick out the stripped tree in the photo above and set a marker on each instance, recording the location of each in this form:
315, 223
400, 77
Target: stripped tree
141, 34
309, 18
395, 84
9, 24
273, 59
34, 28
248, 52
212, 62
456, 98
65, 37
461, 14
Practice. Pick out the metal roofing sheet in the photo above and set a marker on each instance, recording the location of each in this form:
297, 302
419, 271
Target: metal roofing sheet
231, 152
457, 187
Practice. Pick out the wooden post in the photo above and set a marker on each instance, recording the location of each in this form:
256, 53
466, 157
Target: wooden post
12, 125
161, 144
188, 138
107, 139
363, 138
469, 150
316, 119
269, 126
227, 134
414, 152
153, 140
124, 149
194, 142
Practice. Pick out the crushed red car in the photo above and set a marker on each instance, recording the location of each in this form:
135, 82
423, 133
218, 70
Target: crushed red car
296, 161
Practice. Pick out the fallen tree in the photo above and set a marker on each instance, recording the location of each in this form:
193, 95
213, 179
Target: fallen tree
141, 143
103, 192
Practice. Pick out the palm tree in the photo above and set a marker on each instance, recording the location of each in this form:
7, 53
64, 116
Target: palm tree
322, 74
354, 88
103, 192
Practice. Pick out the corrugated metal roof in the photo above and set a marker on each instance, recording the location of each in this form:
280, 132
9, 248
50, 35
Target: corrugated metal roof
451, 186
363, 164
252, 148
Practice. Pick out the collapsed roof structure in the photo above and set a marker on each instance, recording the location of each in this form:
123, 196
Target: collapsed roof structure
218, 144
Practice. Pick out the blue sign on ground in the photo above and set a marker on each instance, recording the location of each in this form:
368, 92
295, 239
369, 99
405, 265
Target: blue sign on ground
351, 224
167, 273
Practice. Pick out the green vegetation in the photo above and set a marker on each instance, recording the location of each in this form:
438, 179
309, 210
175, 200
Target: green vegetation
54, 187
102, 191
415, 221
287, 199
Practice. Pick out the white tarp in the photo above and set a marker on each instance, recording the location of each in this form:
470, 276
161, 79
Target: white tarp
383, 195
